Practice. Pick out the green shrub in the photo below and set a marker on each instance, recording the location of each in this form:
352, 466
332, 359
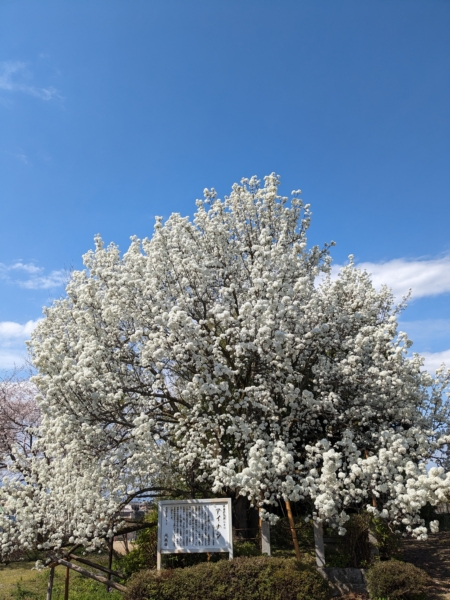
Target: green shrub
245, 549
257, 578
389, 543
281, 536
353, 548
143, 554
395, 579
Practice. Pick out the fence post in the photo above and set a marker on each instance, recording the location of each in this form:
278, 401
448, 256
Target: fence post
319, 546
111, 548
50, 583
265, 538
66, 584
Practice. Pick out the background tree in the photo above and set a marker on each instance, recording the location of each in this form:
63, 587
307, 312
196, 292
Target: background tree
19, 418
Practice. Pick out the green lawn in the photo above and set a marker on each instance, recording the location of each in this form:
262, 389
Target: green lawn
18, 581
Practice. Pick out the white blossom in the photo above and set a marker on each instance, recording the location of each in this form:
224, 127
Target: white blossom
221, 350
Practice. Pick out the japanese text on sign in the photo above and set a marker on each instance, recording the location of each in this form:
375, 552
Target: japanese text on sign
195, 526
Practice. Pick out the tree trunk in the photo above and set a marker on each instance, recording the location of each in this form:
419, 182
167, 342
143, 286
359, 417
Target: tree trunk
245, 519
293, 532
240, 520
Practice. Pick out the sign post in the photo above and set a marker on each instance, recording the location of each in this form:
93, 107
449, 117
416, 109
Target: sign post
190, 526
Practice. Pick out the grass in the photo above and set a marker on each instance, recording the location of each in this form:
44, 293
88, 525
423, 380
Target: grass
18, 581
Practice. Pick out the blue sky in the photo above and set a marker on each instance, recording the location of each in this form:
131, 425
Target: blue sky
112, 112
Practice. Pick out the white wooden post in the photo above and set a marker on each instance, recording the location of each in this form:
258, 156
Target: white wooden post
158, 537
265, 538
318, 544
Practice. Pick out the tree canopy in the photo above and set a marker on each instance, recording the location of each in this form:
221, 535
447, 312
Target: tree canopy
219, 356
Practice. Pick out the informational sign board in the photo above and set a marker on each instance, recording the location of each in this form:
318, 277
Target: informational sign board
186, 526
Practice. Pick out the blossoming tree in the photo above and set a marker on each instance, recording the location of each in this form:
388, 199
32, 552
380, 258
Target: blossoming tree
19, 416
220, 353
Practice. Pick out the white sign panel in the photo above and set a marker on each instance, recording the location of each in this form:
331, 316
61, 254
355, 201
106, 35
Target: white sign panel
194, 526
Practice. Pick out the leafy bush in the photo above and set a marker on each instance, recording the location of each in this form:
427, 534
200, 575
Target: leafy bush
353, 548
389, 543
143, 554
281, 536
395, 579
245, 549
258, 578
356, 540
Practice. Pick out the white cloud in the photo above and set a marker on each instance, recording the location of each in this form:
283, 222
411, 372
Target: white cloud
52, 280
9, 330
433, 360
32, 277
12, 75
431, 339
13, 351
27, 267
423, 277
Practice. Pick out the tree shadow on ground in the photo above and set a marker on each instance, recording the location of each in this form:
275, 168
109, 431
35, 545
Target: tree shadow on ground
433, 556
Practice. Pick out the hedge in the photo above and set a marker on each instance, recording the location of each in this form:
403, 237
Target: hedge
395, 579
256, 578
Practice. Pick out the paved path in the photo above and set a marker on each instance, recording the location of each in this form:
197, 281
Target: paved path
433, 556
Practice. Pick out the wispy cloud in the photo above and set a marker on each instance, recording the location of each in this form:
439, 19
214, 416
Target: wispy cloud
13, 351
18, 156
431, 339
30, 276
423, 277
433, 360
13, 78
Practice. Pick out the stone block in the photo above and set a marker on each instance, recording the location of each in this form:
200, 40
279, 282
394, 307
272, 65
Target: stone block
344, 581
